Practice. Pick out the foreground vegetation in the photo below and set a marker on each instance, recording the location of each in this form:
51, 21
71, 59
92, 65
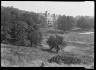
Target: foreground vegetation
27, 56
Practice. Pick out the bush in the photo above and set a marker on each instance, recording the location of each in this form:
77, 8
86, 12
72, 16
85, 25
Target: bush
51, 40
65, 59
55, 42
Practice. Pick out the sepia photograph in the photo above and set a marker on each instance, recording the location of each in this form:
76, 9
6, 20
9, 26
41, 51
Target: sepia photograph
47, 34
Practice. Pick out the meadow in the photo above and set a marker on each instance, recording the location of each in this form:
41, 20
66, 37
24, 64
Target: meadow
80, 46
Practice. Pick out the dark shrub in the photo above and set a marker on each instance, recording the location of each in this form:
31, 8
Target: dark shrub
65, 59
51, 40
55, 42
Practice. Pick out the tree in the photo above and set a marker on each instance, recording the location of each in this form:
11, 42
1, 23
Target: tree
4, 35
5, 25
42, 21
18, 33
85, 23
55, 42
34, 36
65, 23
19, 27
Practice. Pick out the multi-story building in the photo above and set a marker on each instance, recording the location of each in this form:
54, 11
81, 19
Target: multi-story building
50, 18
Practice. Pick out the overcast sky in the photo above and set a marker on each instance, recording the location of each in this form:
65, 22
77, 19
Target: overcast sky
63, 8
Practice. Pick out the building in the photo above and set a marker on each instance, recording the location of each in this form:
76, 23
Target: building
50, 18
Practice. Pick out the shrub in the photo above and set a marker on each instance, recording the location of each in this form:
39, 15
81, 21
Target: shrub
51, 40
55, 42
65, 59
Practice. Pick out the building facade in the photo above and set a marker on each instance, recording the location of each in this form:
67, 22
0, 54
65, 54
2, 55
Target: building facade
50, 18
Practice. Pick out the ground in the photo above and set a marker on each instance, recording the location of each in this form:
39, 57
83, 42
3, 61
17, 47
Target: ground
78, 45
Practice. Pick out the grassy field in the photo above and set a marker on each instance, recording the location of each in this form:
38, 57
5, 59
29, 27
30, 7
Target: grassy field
80, 46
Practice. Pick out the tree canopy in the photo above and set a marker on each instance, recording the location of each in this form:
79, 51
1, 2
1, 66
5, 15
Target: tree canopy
19, 27
85, 22
65, 23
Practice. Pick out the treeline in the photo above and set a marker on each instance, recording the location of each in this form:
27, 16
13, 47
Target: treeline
85, 23
19, 27
67, 23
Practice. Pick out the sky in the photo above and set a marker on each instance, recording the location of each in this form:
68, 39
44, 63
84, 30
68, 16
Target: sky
57, 7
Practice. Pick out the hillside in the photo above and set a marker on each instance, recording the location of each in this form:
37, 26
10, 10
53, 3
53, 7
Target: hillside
31, 57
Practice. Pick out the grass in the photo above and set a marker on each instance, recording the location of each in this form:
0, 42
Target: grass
84, 43
20, 55
51, 31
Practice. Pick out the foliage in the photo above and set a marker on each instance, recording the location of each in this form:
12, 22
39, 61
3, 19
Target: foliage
65, 59
16, 26
65, 23
34, 36
85, 23
42, 21
60, 41
51, 41
56, 41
